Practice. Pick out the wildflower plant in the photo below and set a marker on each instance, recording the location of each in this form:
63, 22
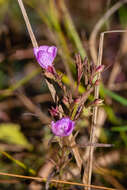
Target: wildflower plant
69, 106
45, 56
74, 103
62, 127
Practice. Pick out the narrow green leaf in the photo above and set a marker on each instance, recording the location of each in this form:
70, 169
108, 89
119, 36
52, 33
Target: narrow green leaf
120, 128
114, 96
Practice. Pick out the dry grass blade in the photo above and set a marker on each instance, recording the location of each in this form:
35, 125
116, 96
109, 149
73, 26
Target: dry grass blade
92, 41
33, 108
34, 42
40, 179
88, 171
87, 177
88, 174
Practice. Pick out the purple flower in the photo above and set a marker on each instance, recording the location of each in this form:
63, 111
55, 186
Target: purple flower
45, 55
63, 127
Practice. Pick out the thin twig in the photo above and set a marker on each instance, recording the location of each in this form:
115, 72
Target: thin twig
96, 95
88, 174
41, 179
116, 66
87, 177
88, 171
95, 145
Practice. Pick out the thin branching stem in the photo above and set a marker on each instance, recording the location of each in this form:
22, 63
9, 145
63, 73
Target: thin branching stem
50, 86
87, 177
88, 172
42, 179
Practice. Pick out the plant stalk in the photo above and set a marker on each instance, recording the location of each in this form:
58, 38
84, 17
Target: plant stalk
71, 139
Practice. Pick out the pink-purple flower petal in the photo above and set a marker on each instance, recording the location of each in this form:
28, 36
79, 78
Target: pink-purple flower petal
45, 55
62, 127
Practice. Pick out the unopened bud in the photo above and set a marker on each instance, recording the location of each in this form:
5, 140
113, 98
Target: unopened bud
49, 75
77, 100
97, 82
98, 102
51, 69
100, 68
54, 111
66, 101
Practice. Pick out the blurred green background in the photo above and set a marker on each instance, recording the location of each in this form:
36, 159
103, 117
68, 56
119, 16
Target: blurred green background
68, 25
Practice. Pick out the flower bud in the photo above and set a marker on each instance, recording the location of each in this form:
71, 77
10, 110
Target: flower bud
100, 68
54, 111
98, 102
77, 100
66, 101
97, 82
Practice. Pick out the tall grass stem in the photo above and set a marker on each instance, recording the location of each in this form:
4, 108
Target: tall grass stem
29, 28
